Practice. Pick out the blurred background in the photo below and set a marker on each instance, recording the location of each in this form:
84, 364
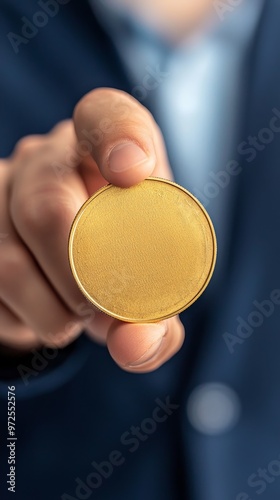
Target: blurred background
205, 426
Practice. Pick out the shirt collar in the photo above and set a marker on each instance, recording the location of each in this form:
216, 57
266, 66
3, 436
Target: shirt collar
139, 47
232, 26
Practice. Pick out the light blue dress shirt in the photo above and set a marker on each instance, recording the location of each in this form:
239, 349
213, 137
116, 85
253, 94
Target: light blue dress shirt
195, 92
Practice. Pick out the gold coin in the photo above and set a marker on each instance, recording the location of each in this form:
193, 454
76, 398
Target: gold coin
144, 253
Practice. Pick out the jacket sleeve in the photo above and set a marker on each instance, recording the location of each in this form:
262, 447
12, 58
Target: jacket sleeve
42, 371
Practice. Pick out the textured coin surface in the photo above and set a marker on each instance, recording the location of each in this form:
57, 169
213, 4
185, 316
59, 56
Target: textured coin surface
143, 253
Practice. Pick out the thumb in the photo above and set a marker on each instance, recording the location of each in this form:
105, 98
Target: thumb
122, 137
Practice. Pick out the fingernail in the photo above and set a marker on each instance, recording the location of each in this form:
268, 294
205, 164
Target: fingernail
152, 351
126, 155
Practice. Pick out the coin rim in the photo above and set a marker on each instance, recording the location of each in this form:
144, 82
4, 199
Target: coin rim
118, 316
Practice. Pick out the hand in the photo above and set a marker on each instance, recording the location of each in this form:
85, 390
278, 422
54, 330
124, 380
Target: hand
42, 186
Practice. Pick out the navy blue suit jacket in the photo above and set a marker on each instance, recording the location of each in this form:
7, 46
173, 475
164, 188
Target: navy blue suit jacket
78, 409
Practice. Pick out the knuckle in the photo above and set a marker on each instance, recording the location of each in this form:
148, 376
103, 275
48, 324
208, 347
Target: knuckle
13, 263
27, 145
44, 213
65, 126
3, 165
84, 103
5, 175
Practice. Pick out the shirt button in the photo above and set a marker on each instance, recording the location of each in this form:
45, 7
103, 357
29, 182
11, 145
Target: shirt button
213, 408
